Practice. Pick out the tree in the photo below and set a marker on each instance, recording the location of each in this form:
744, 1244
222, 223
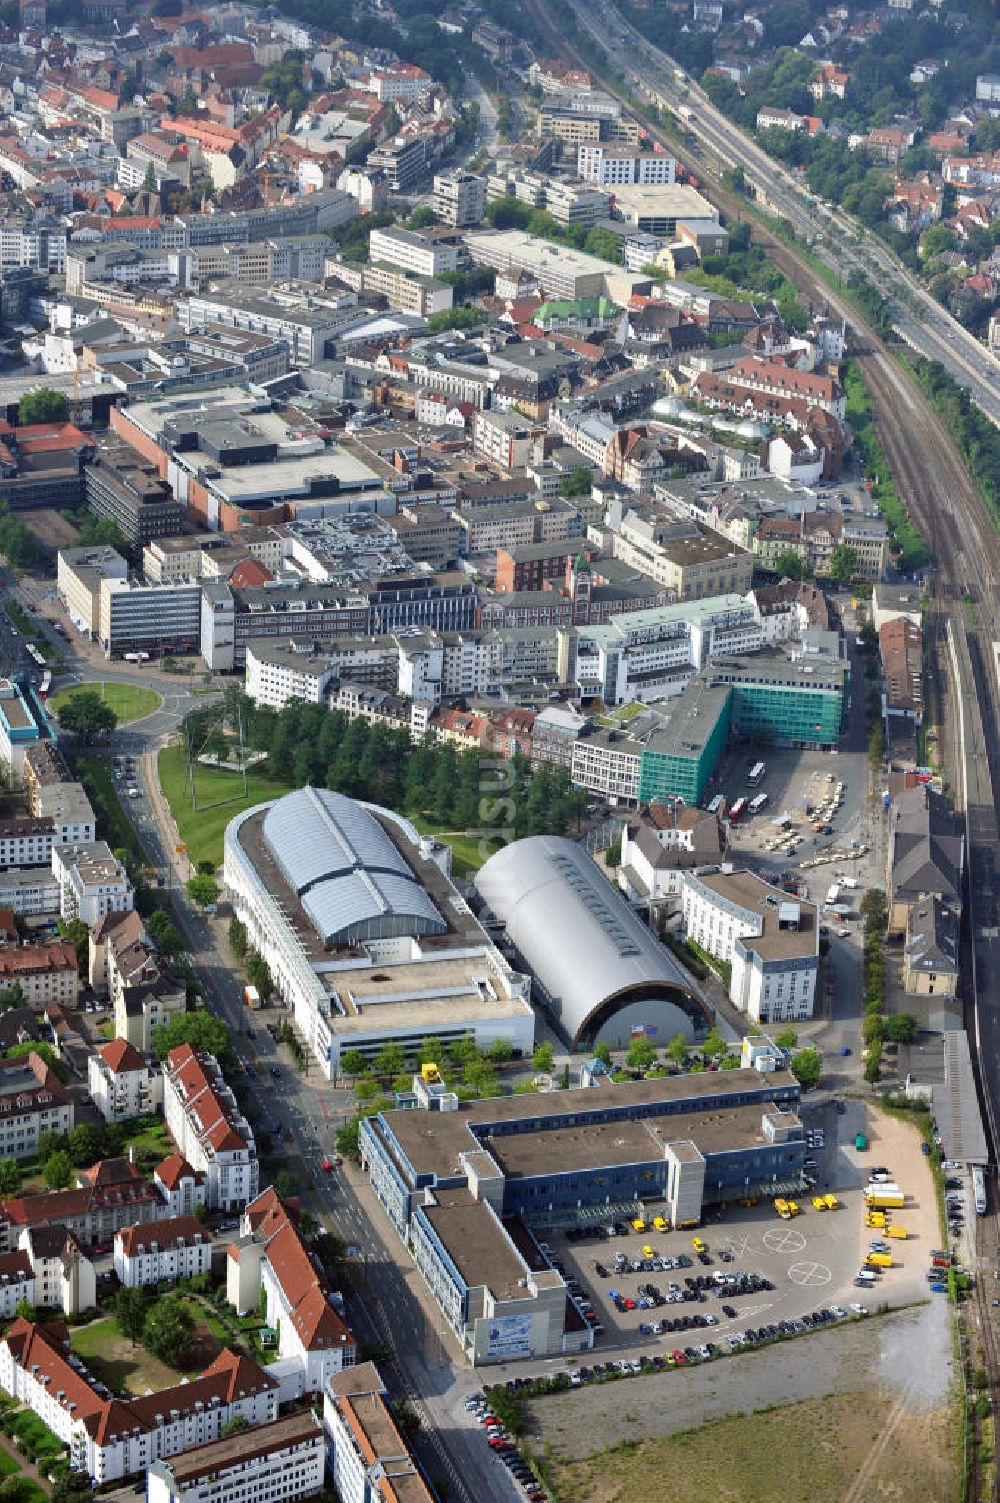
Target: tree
605, 244
233, 1426
677, 1050
788, 564
49, 1142
843, 563
200, 1029
85, 1143
544, 1058
131, 1307
86, 716
501, 1051
18, 1489
203, 890
76, 931
807, 1066
641, 1054
602, 1051
421, 218
58, 1170
11, 996
390, 1060
901, 1028
149, 179
10, 1178
286, 1183
714, 1044
786, 1039
25, 1310
577, 483
168, 1332
43, 406
259, 973
71, 1487
237, 937
353, 1062
162, 929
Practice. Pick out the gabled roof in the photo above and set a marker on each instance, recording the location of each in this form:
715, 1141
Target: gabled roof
313, 1318
173, 1170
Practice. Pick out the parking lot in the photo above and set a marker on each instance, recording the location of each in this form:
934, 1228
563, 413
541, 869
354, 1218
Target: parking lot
791, 1268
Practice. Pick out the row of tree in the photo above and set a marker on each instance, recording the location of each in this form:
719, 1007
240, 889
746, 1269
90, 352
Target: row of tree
456, 790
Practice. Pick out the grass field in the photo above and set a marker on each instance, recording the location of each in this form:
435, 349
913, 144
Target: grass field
111, 1358
220, 799
129, 701
466, 855
819, 1451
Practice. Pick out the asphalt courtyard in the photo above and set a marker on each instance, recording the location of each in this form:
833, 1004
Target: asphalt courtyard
811, 1261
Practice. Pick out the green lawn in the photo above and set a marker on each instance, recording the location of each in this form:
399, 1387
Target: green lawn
129, 701
220, 798
112, 1358
152, 1145
466, 855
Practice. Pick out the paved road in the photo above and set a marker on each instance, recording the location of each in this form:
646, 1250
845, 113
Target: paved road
392, 1310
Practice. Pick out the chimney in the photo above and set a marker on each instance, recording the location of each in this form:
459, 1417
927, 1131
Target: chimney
131, 1153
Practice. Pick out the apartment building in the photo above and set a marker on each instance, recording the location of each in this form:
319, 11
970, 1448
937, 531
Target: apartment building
121, 1083
17, 1282
26, 841
685, 557
505, 438
275, 1464
423, 255
270, 1261
92, 882
181, 1188
33, 1101
110, 1438
110, 1195
178, 1247
369, 1457
408, 291
459, 199
208, 1128
46, 973
64, 1277
602, 162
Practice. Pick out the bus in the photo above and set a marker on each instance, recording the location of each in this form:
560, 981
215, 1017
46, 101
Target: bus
34, 654
716, 804
738, 810
45, 685
758, 803
756, 774
979, 1188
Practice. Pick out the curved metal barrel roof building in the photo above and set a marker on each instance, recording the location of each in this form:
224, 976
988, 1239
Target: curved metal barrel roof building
346, 872
605, 975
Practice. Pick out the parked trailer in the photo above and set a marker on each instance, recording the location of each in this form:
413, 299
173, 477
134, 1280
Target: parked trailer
979, 1187
897, 1230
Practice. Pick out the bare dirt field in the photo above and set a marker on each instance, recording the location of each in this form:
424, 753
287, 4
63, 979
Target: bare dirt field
843, 1449
52, 530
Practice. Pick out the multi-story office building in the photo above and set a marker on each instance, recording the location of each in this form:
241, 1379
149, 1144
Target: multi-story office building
79, 572
425, 256
126, 490
770, 940
785, 700
602, 162
154, 618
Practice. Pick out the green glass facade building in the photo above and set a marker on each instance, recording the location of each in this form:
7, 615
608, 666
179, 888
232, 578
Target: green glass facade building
781, 701
678, 760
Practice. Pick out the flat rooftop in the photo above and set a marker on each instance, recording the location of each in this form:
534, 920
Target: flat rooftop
433, 1141
662, 200
476, 1244
747, 891
571, 1149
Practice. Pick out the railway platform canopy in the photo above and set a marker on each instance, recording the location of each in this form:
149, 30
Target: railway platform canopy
956, 1104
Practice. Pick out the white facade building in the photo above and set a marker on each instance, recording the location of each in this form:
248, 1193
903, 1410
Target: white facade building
270, 1258
770, 939
410, 251
210, 1131
177, 1248
369, 1458
121, 1082
365, 875
110, 1438
603, 162
92, 882
277, 1462
65, 1278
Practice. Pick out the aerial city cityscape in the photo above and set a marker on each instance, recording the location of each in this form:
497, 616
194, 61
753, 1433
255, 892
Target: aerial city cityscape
500, 909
